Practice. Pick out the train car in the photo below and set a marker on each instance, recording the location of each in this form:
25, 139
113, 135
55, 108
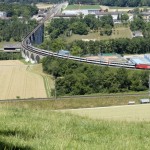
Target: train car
142, 66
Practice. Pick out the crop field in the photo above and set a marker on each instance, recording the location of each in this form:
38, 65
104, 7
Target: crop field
17, 82
75, 6
116, 113
118, 32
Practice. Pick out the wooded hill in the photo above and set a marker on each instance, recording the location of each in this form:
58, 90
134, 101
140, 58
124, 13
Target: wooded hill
75, 78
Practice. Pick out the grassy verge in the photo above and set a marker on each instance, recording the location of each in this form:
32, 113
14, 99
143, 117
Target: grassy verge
75, 6
48, 81
70, 103
28, 129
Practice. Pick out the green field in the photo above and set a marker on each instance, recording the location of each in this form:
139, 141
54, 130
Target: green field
24, 128
119, 32
75, 6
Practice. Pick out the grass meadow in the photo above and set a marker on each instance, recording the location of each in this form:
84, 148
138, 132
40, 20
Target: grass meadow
24, 128
118, 32
77, 6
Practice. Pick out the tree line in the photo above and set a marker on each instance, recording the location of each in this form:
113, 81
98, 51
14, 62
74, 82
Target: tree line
75, 78
15, 28
121, 3
24, 10
10, 56
81, 48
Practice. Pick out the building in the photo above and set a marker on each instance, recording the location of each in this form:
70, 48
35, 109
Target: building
137, 34
65, 16
146, 16
96, 12
3, 14
64, 52
115, 15
12, 47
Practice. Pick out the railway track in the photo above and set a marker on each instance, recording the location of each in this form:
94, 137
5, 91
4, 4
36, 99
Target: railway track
27, 45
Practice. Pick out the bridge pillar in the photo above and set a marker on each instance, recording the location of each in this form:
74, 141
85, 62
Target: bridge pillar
38, 36
32, 58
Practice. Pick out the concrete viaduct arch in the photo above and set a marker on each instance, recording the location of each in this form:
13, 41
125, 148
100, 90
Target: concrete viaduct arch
30, 56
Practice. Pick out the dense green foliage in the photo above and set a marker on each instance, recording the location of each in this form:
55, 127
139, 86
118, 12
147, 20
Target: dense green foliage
9, 56
18, 9
121, 3
81, 48
15, 28
78, 25
74, 78
30, 1
138, 23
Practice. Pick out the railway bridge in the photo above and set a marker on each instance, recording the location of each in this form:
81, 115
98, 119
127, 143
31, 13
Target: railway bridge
36, 37
34, 54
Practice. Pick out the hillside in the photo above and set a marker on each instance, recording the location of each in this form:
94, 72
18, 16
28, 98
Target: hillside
27, 129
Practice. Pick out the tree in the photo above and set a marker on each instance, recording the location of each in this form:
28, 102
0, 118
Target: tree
76, 50
79, 28
124, 18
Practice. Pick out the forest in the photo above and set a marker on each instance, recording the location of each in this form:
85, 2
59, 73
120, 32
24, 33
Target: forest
24, 10
120, 3
75, 78
14, 28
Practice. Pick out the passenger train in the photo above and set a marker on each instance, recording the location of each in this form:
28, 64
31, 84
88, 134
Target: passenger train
27, 45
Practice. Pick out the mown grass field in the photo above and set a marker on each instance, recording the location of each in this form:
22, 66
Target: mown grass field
25, 128
119, 32
75, 6
18, 82
43, 5
118, 113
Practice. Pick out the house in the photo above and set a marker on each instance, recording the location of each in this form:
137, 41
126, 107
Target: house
146, 16
115, 15
137, 34
3, 14
96, 12
12, 47
144, 101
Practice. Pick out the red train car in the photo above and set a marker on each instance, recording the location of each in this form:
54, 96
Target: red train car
142, 66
